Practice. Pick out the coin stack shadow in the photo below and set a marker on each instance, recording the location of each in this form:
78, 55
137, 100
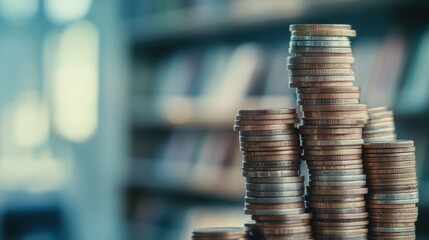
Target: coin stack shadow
331, 131
271, 151
380, 125
393, 195
222, 233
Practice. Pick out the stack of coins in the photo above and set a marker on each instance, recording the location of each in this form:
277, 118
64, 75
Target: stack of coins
380, 126
271, 151
393, 195
331, 130
225, 233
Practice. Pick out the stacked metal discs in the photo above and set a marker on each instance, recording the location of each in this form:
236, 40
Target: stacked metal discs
392, 182
380, 126
226, 233
331, 130
271, 151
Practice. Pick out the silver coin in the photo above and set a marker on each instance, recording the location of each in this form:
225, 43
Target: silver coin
269, 138
264, 164
333, 142
342, 184
275, 180
400, 201
320, 60
393, 196
327, 101
393, 229
378, 115
276, 200
377, 126
319, 43
274, 186
264, 158
336, 172
318, 38
339, 178
275, 194
378, 130
274, 212
268, 132
319, 50
280, 173
346, 78
381, 139
322, 72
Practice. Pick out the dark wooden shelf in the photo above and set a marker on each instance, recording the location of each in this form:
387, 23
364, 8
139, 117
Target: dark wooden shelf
152, 32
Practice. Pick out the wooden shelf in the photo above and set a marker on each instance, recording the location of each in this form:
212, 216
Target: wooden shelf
183, 25
226, 187
198, 112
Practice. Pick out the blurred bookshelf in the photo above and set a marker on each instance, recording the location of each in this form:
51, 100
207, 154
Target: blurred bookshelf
194, 63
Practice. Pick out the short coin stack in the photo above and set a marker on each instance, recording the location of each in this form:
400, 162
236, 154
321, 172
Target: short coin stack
271, 162
225, 233
392, 182
331, 130
380, 126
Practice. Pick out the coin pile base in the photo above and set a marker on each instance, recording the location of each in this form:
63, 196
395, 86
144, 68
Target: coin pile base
269, 142
393, 195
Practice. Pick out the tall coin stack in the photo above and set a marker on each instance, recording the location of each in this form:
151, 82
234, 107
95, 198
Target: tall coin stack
224, 233
393, 195
271, 151
380, 126
331, 130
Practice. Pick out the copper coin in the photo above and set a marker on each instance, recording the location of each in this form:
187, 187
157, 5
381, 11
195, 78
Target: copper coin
309, 158
382, 165
353, 191
269, 138
387, 182
392, 220
394, 210
396, 144
275, 179
335, 108
338, 210
341, 232
248, 150
289, 217
328, 102
334, 198
330, 131
292, 151
354, 151
263, 127
389, 150
287, 157
336, 204
270, 168
392, 176
396, 206
358, 223
331, 137
407, 187
320, 84
411, 169
390, 159
267, 164
269, 132
389, 155
357, 146
395, 225
341, 216
266, 116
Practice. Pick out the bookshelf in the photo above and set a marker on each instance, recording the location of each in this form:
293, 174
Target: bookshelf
194, 63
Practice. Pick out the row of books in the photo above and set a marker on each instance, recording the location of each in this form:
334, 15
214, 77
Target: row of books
220, 71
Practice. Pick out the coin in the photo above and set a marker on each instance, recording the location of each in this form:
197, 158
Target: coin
269, 138
297, 66
302, 216
336, 172
319, 50
322, 72
396, 144
266, 116
294, 27
324, 131
274, 186
300, 60
338, 178
334, 198
341, 216
304, 96
275, 179
266, 164
270, 144
390, 150
353, 191
269, 132
309, 158
334, 108
324, 32
328, 102
332, 142
341, 184
320, 84
265, 122
286, 157
334, 162
275, 200
322, 79
331, 137
340, 121
293, 151
220, 232
342, 114
280, 173
263, 127
336, 204
276, 194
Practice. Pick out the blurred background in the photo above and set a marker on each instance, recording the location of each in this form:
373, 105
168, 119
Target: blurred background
116, 116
